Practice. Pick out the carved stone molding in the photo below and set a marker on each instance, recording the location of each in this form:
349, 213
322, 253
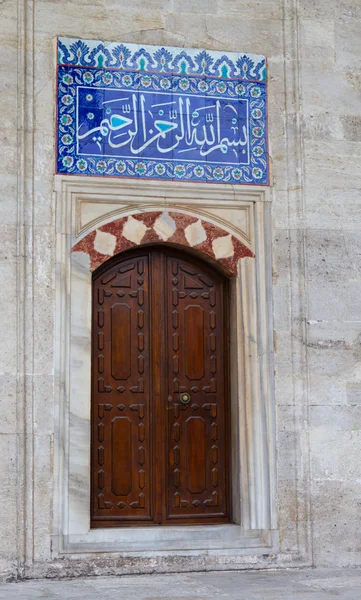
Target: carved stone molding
86, 207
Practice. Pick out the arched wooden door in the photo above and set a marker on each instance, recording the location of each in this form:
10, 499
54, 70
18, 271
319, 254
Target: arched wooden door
159, 391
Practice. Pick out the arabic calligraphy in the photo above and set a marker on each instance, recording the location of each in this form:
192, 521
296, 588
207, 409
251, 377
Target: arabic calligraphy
114, 122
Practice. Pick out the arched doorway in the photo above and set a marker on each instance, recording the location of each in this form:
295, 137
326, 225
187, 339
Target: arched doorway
159, 390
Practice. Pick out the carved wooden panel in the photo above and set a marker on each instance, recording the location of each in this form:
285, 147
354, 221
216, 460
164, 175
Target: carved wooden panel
196, 430
158, 333
121, 466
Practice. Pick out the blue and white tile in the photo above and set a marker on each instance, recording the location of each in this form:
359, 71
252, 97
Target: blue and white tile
105, 88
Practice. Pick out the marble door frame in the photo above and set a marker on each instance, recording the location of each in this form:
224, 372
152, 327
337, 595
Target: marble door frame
85, 204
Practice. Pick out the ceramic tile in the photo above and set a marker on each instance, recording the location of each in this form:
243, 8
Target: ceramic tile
171, 113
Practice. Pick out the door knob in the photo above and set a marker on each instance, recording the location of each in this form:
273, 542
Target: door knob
184, 398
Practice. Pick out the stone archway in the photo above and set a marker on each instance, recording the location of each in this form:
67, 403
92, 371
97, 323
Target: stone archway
222, 224
167, 226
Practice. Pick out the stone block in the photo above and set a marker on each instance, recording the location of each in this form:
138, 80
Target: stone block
8, 165
100, 22
326, 88
335, 454
280, 215
348, 45
287, 515
8, 204
281, 309
256, 9
334, 274
8, 314
281, 256
334, 349
343, 212
44, 107
44, 278
44, 211
43, 160
8, 383
41, 292
287, 455
326, 390
323, 127
43, 410
337, 418
290, 419
317, 35
284, 387
283, 352
336, 520
203, 7
353, 391
333, 256
43, 486
352, 128
325, 334
8, 236
8, 35
43, 337
257, 36
348, 10
336, 168
191, 29
158, 37
8, 97
8, 496
317, 9
334, 301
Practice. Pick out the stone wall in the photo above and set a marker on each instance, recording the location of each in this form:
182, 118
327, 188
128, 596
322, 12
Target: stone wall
330, 85
313, 50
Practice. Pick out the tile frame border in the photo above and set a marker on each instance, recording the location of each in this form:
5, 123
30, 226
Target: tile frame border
159, 59
172, 67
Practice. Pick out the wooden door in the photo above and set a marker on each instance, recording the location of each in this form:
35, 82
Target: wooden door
159, 391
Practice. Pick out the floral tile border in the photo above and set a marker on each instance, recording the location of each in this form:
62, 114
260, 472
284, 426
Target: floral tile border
149, 69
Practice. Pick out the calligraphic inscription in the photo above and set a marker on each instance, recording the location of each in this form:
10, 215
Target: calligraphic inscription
167, 113
157, 126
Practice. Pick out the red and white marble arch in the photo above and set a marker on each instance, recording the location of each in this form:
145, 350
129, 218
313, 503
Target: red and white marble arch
167, 226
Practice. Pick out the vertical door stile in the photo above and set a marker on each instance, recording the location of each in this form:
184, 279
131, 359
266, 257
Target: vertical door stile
122, 478
159, 401
196, 444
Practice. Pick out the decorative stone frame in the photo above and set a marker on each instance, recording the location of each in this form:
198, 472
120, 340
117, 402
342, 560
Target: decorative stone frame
85, 205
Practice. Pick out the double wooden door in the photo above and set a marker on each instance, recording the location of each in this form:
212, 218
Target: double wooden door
159, 391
